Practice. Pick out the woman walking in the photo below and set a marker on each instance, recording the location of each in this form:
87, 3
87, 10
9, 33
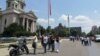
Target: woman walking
57, 44
34, 44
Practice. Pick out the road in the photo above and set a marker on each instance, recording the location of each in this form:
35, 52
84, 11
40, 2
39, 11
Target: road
67, 48
94, 50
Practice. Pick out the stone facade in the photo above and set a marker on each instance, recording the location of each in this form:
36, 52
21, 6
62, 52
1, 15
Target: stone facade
14, 13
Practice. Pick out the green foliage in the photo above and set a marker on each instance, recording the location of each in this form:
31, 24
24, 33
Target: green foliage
90, 34
63, 33
60, 30
48, 30
14, 30
75, 31
83, 34
41, 30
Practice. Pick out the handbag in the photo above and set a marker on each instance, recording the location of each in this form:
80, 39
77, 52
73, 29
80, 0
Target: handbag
34, 45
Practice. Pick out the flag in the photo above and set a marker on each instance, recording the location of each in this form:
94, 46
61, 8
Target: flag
49, 10
49, 7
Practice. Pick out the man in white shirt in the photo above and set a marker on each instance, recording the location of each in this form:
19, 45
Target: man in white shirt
45, 41
82, 40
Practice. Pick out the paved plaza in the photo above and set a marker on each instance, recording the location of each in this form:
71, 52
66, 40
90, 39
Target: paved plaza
67, 48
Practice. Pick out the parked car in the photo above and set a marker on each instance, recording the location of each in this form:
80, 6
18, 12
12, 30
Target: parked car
97, 38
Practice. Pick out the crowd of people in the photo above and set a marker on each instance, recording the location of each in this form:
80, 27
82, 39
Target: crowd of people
48, 42
85, 40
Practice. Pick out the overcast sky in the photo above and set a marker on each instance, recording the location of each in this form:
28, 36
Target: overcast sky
84, 13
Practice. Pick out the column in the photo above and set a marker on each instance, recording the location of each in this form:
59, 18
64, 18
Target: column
27, 25
23, 23
32, 27
35, 26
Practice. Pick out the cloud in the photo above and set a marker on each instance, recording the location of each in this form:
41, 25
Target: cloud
82, 20
52, 20
79, 21
44, 22
64, 17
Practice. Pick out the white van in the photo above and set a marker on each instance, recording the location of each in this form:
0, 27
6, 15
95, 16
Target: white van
97, 38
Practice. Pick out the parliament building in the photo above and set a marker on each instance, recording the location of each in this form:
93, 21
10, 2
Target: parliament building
15, 13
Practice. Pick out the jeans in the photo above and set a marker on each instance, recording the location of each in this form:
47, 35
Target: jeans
45, 47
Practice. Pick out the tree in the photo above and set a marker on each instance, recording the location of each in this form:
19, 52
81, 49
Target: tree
83, 34
75, 31
14, 30
60, 30
41, 30
90, 34
49, 30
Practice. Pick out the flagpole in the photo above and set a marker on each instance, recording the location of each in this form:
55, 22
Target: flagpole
49, 12
48, 15
69, 25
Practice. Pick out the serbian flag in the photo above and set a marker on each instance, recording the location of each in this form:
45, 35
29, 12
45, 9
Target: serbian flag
49, 7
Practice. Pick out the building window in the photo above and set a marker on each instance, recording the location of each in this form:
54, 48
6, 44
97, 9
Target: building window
5, 21
12, 5
22, 6
21, 21
16, 6
8, 4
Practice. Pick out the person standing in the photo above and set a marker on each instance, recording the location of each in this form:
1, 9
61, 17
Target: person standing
85, 41
25, 46
73, 38
57, 44
20, 43
49, 42
52, 43
34, 44
82, 40
45, 41
42, 40
89, 40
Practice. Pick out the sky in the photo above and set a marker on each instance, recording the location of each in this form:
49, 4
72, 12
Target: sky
82, 13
